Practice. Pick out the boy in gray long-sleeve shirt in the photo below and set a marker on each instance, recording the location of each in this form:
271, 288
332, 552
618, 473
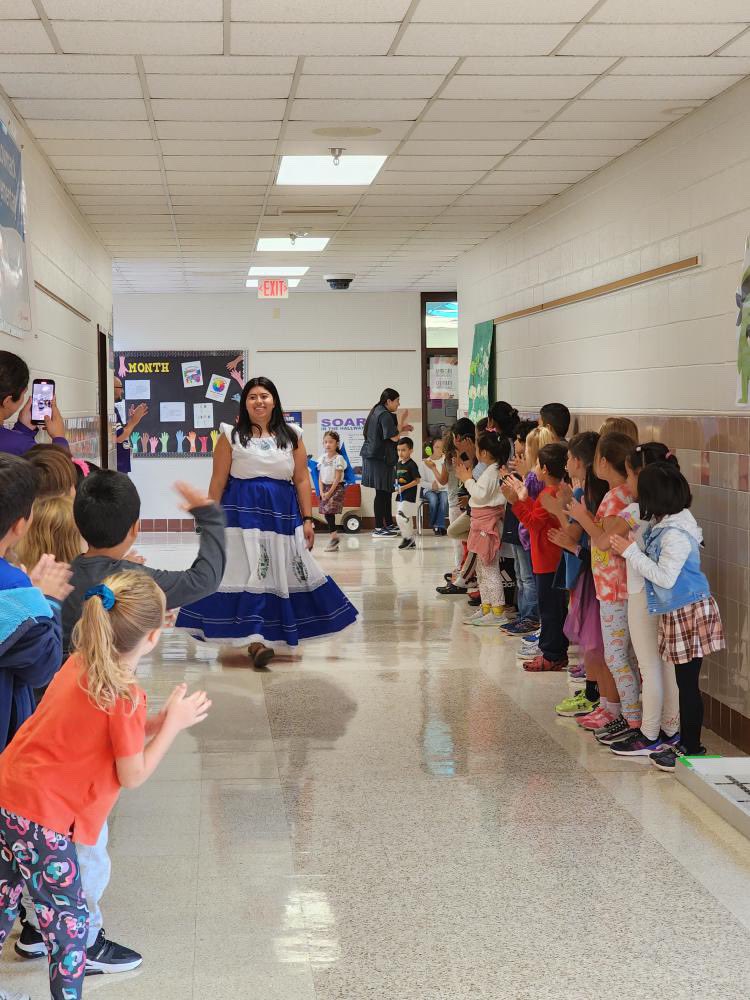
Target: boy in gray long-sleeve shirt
106, 510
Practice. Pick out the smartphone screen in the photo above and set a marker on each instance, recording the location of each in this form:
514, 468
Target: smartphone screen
42, 394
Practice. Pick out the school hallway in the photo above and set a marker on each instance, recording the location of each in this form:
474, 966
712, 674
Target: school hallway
400, 815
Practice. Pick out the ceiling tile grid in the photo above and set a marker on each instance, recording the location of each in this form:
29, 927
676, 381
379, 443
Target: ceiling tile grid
167, 122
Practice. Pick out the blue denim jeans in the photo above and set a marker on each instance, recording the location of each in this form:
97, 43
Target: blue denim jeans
525, 583
438, 501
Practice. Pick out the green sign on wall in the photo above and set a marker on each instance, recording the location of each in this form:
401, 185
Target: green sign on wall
481, 370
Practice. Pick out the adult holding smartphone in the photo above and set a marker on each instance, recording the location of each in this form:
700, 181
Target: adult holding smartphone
14, 382
125, 425
379, 457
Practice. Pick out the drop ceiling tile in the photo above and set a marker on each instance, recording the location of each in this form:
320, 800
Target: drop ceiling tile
536, 66
452, 190
493, 111
230, 111
356, 111
431, 177
503, 11
217, 177
46, 85
231, 87
68, 64
22, 10
492, 148
24, 36
89, 130
481, 39
564, 130
740, 47
77, 188
680, 88
615, 111
134, 10
683, 66
439, 164
219, 65
524, 161
379, 65
204, 187
253, 164
472, 132
512, 177
320, 147
72, 110
308, 130
368, 87
598, 148
648, 39
511, 87
671, 11
403, 199
111, 177
488, 196
156, 38
217, 147
210, 130
107, 163
312, 39
302, 11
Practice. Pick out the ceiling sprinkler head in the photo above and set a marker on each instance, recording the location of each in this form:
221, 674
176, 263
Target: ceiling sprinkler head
293, 237
336, 152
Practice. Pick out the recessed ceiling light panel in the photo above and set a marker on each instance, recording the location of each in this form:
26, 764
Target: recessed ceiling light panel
309, 171
277, 272
285, 244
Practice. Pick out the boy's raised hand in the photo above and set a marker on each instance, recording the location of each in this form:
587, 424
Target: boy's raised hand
52, 577
192, 496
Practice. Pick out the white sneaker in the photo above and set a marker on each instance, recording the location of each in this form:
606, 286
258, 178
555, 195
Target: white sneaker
4, 995
528, 652
475, 617
333, 545
490, 620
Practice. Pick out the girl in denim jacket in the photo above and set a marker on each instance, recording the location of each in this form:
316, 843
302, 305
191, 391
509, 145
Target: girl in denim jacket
678, 591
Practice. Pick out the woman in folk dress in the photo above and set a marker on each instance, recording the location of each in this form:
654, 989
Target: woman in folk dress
273, 593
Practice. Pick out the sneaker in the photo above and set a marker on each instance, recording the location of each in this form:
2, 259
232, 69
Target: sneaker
666, 759
613, 732
392, 531
636, 745
575, 706
490, 620
380, 533
451, 589
669, 741
530, 640
105, 957
540, 664
475, 617
528, 652
521, 626
600, 717
5, 995
30, 943
408, 543
333, 545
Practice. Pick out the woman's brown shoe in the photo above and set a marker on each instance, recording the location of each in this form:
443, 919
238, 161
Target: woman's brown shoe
260, 655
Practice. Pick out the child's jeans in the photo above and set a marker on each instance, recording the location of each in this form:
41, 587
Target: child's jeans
438, 501
47, 863
553, 609
405, 511
525, 583
95, 866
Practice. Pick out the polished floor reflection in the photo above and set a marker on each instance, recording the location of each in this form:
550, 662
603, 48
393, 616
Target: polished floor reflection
397, 814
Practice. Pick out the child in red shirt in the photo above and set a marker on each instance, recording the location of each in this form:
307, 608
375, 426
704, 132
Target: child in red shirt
62, 773
545, 557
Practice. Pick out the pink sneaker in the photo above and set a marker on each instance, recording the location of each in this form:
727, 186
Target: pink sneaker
595, 720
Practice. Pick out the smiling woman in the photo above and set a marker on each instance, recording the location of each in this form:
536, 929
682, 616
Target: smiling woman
273, 593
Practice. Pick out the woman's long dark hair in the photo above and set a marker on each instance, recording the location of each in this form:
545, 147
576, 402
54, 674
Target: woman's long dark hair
386, 396
277, 425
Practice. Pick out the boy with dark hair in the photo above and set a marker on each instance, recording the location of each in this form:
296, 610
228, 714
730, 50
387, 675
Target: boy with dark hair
106, 510
556, 416
407, 486
545, 556
14, 381
30, 630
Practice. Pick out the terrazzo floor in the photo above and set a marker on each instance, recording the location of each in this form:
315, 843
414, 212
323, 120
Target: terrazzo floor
397, 814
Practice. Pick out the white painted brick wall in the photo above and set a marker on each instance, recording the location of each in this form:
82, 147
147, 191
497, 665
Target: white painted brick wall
669, 345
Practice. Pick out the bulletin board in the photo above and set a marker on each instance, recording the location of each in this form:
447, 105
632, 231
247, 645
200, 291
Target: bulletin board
188, 394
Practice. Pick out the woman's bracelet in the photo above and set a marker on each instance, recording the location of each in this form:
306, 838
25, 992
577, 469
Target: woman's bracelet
308, 517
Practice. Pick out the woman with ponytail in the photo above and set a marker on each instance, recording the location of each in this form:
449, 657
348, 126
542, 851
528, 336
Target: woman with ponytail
62, 773
382, 431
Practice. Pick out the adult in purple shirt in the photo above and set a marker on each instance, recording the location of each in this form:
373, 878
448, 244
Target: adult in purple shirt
14, 381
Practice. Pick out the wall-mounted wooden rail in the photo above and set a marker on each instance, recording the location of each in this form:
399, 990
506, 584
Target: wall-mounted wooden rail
607, 289
62, 302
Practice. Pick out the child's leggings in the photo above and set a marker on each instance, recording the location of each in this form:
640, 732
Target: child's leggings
490, 582
691, 703
661, 701
47, 863
619, 657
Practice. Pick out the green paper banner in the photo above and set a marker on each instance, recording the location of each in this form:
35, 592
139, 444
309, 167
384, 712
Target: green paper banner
481, 370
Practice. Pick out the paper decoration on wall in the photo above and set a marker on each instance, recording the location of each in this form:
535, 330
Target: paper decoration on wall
217, 388
137, 389
172, 413
192, 374
481, 374
743, 329
203, 414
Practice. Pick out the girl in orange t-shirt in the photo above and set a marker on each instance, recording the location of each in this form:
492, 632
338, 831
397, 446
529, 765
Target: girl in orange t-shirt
61, 774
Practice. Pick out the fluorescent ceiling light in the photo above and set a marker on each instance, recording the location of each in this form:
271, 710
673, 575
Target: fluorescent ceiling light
307, 171
253, 282
284, 243
277, 272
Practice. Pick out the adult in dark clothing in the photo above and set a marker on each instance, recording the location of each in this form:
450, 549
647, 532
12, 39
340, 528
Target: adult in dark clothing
379, 457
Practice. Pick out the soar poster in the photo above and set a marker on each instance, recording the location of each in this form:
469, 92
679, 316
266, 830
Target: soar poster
187, 395
350, 426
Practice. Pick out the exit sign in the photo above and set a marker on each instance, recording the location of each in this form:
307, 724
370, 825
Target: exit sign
273, 288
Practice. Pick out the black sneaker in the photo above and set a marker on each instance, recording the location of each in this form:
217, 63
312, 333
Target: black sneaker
408, 543
452, 589
613, 732
666, 759
30, 943
105, 957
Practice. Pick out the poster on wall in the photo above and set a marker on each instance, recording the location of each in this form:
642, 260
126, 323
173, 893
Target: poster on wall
15, 298
350, 427
189, 394
443, 377
481, 374
743, 331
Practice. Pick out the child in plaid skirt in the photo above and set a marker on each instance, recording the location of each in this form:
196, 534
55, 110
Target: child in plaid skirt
678, 591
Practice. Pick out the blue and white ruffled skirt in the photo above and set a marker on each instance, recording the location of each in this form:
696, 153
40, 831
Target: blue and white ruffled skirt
273, 591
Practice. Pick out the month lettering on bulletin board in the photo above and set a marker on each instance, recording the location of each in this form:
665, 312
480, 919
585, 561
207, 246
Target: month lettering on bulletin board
188, 395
